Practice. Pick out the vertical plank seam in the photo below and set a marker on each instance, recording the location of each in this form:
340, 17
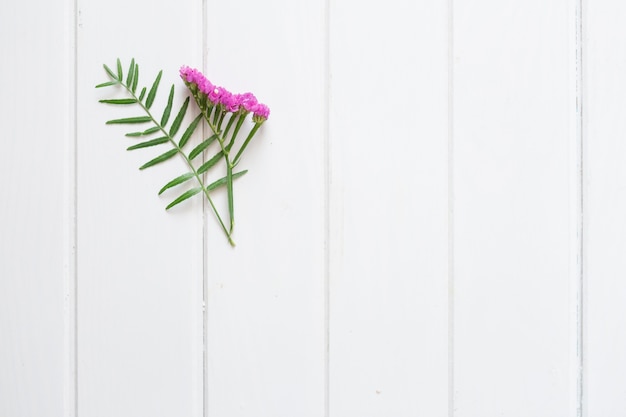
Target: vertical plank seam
451, 387
327, 192
70, 225
580, 244
205, 267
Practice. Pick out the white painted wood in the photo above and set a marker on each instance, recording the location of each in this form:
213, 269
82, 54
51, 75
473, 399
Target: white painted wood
605, 204
409, 234
512, 139
139, 267
388, 209
576, 218
36, 130
265, 302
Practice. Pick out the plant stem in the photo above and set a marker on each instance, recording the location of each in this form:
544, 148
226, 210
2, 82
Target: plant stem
187, 161
229, 170
245, 144
237, 127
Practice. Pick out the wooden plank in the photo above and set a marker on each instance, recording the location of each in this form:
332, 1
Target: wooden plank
388, 209
36, 120
605, 204
265, 302
139, 267
513, 105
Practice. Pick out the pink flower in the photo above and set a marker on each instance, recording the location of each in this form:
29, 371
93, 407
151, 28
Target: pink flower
193, 76
261, 113
204, 85
216, 94
248, 101
231, 102
184, 73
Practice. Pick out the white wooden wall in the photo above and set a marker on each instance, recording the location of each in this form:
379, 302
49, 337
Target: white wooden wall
434, 221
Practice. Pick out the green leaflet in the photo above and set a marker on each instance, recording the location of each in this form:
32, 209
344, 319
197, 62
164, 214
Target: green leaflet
139, 119
208, 164
237, 127
184, 196
131, 72
107, 84
163, 157
230, 123
120, 75
135, 79
229, 188
119, 101
148, 143
153, 90
189, 131
153, 129
222, 181
111, 74
176, 181
201, 147
179, 118
143, 92
168, 108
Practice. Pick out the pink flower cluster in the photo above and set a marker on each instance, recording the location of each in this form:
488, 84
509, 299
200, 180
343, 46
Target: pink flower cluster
219, 95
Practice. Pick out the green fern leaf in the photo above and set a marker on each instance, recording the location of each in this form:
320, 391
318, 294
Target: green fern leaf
135, 79
153, 90
201, 147
209, 164
189, 131
176, 181
139, 119
107, 84
120, 74
184, 196
148, 143
146, 132
111, 73
222, 181
119, 101
179, 118
163, 157
143, 93
168, 108
131, 72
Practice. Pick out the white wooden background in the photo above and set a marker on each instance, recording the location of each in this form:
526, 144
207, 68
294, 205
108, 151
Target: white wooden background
434, 222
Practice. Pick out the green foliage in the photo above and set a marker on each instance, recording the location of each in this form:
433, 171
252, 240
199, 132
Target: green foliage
201, 147
167, 138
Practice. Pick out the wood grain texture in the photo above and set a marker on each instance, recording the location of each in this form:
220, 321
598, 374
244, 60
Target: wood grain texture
139, 267
388, 209
36, 126
605, 204
265, 301
512, 117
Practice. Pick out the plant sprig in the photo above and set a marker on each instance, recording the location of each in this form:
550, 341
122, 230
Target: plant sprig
216, 105
167, 136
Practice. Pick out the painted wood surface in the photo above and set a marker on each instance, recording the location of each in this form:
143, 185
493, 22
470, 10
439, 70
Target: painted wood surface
36, 164
388, 233
265, 299
139, 315
605, 224
512, 136
431, 223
